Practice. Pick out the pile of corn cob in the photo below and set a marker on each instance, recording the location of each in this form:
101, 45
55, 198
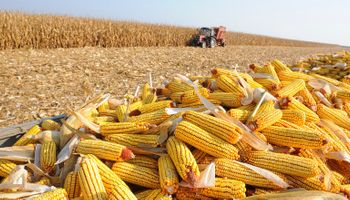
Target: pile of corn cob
336, 66
265, 133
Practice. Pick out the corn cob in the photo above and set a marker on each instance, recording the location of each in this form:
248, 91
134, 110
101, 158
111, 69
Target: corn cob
157, 195
189, 96
151, 98
144, 161
151, 107
259, 191
90, 180
155, 117
231, 100
279, 66
249, 107
143, 195
284, 163
116, 188
198, 154
345, 189
291, 76
292, 88
334, 142
310, 183
333, 115
347, 108
185, 193
56, 194
240, 114
178, 86
264, 119
134, 139
267, 69
293, 104
6, 167
48, 156
216, 72
169, 181
71, 185
135, 105
137, 175
198, 104
124, 127
308, 99
24, 140
294, 137
342, 179
146, 90
205, 141
230, 169
250, 80
269, 84
104, 150
103, 120
50, 125
44, 181
228, 85
120, 112
286, 124
220, 128
183, 160
225, 188
294, 116
330, 80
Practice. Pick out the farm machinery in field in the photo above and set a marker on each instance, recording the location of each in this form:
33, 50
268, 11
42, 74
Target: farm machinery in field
210, 37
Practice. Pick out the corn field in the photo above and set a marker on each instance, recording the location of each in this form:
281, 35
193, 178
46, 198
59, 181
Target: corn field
19, 30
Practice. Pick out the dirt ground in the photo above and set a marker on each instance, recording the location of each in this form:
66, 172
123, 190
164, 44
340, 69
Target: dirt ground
41, 83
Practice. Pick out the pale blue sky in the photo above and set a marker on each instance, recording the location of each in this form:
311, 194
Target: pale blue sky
314, 20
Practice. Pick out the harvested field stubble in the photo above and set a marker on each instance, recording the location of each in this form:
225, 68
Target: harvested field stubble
39, 83
18, 30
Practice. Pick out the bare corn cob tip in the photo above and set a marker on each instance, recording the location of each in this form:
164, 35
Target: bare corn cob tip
127, 154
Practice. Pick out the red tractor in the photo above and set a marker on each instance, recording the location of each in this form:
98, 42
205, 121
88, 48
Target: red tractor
210, 37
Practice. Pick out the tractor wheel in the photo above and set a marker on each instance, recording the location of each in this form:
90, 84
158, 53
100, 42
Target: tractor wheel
204, 44
212, 42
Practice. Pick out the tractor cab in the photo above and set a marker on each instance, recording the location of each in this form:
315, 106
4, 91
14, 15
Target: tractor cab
210, 37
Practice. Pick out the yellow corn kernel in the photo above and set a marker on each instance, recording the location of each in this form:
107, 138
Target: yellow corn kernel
269, 84
267, 69
310, 183
56, 194
183, 160
225, 188
284, 163
220, 128
50, 125
185, 193
144, 161
231, 100
198, 154
155, 117
291, 76
116, 188
198, 104
157, 194
44, 181
333, 115
6, 167
90, 180
189, 96
143, 195
294, 137
230, 169
293, 104
24, 140
151, 107
146, 90
137, 175
134, 139
48, 156
264, 119
71, 185
178, 86
240, 114
279, 66
124, 127
292, 88
103, 120
205, 141
308, 99
286, 124
228, 85
151, 98
169, 181
294, 116
120, 112
104, 150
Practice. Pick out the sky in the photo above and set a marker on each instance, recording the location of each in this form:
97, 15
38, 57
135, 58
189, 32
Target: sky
312, 20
